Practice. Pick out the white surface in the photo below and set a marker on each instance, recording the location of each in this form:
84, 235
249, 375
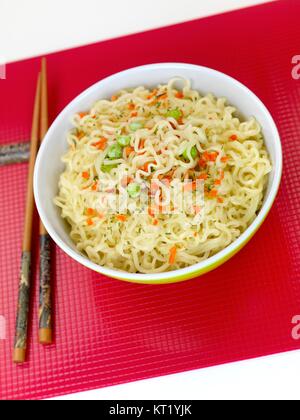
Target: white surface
32, 27
203, 79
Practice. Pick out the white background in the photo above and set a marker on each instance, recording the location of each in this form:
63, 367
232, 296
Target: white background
32, 27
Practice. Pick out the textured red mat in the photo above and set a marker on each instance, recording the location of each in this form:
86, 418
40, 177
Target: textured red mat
109, 332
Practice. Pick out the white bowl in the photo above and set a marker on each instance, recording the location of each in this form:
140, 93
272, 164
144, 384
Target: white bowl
49, 166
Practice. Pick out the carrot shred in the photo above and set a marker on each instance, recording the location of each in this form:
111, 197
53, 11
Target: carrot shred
85, 175
218, 182
203, 177
101, 144
114, 98
202, 163
134, 114
224, 159
131, 106
121, 218
234, 137
95, 186
179, 95
213, 156
173, 252
83, 114
160, 208
205, 156
90, 212
90, 222
145, 168
142, 144
220, 200
151, 212
213, 193
153, 93
155, 222
210, 156
128, 150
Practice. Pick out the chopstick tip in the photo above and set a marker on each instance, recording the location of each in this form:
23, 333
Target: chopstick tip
45, 336
44, 61
19, 356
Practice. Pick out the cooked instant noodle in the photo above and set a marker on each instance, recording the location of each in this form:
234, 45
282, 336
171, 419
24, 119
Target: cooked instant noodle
146, 148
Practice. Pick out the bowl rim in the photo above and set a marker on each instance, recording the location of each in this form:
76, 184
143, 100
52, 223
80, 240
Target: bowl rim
195, 269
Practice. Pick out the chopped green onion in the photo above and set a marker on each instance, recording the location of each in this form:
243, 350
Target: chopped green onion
108, 168
123, 141
136, 126
174, 113
194, 153
115, 151
134, 190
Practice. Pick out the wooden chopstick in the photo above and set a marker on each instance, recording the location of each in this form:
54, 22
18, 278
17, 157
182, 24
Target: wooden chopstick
45, 306
20, 346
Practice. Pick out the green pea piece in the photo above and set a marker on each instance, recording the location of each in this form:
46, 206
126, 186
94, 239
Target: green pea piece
194, 153
123, 141
115, 152
174, 113
136, 126
108, 168
134, 190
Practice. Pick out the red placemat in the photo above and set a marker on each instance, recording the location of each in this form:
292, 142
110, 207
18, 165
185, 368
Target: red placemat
109, 332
